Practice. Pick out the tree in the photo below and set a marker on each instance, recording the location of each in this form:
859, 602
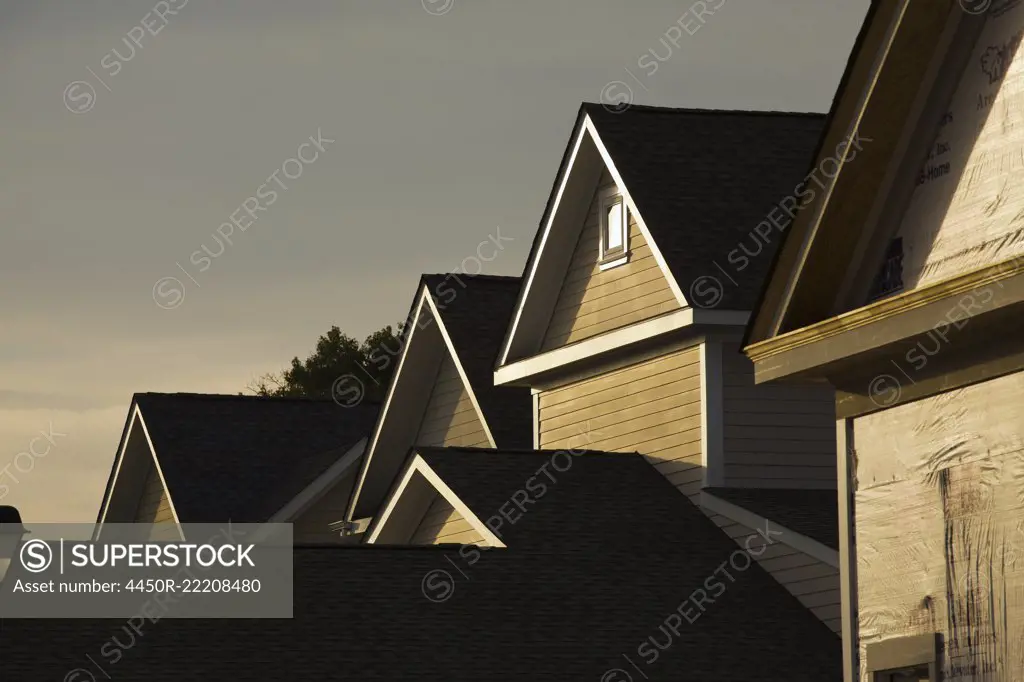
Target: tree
340, 368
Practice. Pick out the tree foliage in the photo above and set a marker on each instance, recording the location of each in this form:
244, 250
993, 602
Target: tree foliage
338, 363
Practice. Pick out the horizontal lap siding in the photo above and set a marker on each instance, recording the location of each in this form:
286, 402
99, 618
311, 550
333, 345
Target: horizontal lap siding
813, 582
591, 301
776, 436
154, 506
652, 408
442, 524
450, 418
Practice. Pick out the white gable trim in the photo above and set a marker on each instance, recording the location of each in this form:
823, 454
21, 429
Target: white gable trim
522, 370
160, 472
631, 205
137, 418
586, 128
312, 493
417, 465
543, 241
424, 296
462, 372
426, 303
117, 465
745, 517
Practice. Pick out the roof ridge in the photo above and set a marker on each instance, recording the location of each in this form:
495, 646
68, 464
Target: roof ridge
370, 547
468, 276
647, 108
231, 396
523, 451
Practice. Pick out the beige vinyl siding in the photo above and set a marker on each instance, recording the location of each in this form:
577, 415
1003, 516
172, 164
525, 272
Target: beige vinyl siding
591, 301
776, 435
155, 507
812, 581
442, 524
653, 408
450, 418
313, 525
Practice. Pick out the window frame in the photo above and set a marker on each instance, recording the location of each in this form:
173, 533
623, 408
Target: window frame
610, 258
902, 654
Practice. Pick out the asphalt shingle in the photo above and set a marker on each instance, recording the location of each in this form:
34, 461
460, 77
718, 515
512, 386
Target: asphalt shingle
814, 513
244, 457
591, 581
476, 318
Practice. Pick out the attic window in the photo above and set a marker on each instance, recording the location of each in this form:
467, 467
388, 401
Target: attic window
614, 231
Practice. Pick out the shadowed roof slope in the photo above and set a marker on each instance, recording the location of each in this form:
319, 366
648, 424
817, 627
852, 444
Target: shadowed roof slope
814, 513
704, 179
476, 319
244, 457
570, 608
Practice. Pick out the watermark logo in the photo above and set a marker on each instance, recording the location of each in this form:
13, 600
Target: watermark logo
169, 293
975, 6
80, 95
617, 96
347, 390
706, 292
79, 675
885, 390
438, 8
438, 585
36, 556
696, 604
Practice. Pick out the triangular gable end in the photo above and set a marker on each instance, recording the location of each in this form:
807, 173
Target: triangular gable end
568, 295
965, 210
423, 510
138, 491
594, 298
919, 226
911, 162
430, 402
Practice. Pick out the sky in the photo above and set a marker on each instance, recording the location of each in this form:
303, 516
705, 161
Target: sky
341, 148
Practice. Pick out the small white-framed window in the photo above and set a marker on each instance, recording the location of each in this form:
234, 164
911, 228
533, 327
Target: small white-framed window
614, 225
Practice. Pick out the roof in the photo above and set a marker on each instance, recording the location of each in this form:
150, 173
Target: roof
242, 458
476, 319
704, 179
572, 608
593, 481
814, 513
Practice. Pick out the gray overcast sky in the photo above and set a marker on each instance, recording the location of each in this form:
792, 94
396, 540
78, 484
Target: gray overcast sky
446, 126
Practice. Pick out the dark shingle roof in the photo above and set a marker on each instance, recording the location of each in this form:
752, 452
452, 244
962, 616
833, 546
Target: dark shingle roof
814, 513
476, 319
704, 179
582, 603
244, 457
